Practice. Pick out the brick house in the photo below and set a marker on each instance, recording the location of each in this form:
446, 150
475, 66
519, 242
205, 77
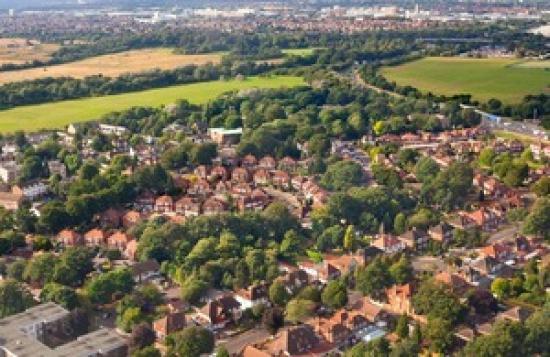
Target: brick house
213, 206
268, 163
261, 177
69, 238
240, 174
131, 218
118, 240
415, 239
442, 233
172, 322
399, 299
188, 207
164, 204
249, 161
95, 237
281, 180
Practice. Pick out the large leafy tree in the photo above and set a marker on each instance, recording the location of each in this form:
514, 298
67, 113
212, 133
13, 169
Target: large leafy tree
14, 298
373, 279
335, 294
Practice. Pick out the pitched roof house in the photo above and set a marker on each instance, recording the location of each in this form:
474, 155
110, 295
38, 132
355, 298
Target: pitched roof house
69, 238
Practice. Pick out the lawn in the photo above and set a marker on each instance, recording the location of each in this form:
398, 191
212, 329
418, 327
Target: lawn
300, 51
60, 114
114, 65
506, 79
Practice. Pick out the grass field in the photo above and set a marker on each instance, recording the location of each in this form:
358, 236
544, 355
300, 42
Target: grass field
506, 79
59, 114
299, 51
20, 51
113, 65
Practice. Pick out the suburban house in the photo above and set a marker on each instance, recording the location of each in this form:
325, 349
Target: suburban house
218, 312
69, 238
253, 295
172, 322
143, 271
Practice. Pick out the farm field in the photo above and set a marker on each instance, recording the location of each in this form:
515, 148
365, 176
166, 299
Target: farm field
114, 65
504, 78
299, 51
60, 114
20, 50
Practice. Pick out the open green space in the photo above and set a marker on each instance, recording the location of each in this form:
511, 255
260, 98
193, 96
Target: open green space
299, 51
506, 79
60, 114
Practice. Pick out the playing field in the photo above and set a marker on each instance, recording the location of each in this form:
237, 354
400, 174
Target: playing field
114, 65
20, 50
59, 114
506, 79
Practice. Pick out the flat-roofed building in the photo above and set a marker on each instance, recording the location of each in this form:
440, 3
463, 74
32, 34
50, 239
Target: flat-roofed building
23, 335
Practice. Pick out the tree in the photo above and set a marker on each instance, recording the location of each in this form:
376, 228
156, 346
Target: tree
401, 271
40, 269
278, 293
426, 169
191, 341
310, 293
53, 217
335, 294
542, 186
538, 221
376, 348
222, 352
16, 270
273, 319
62, 295
290, 246
506, 339
148, 351
482, 301
349, 238
14, 298
538, 331
402, 327
193, 289
440, 333
142, 336
373, 279
342, 175
501, 288
486, 157
400, 223
103, 288
435, 300
130, 317
74, 265
298, 310
203, 154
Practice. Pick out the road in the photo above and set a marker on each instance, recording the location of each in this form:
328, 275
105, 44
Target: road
235, 344
506, 234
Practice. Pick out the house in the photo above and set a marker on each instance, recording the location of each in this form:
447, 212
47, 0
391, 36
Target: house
399, 299
10, 201
218, 173
455, 282
295, 340
118, 240
145, 202
515, 314
295, 280
130, 252
218, 312
373, 312
261, 177
69, 238
172, 322
249, 161
257, 200
415, 239
56, 167
164, 204
288, 164
188, 207
268, 163
388, 243
131, 218
499, 251
442, 233
95, 237
143, 271
201, 172
281, 179
222, 136
253, 295
113, 130
9, 171
240, 174
213, 206
200, 188
111, 218
31, 190
241, 189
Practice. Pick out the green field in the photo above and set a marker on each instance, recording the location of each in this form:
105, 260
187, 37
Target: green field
300, 51
506, 79
60, 114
